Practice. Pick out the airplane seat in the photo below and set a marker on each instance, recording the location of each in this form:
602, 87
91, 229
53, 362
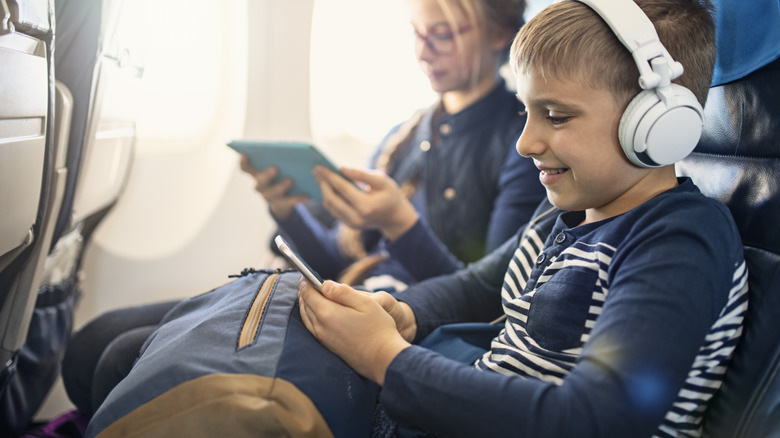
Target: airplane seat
96, 90
95, 62
738, 162
99, 66
23, 118
29, 183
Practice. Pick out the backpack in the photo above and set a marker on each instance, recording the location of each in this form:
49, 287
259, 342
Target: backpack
237, 361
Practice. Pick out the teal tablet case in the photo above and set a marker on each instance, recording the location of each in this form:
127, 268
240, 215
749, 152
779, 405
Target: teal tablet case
293, 159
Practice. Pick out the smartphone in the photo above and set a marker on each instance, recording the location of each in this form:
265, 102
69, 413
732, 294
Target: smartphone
310, 274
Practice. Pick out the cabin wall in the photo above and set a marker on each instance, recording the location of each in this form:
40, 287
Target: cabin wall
189, 216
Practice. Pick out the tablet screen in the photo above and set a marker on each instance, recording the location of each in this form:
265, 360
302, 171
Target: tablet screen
293, 159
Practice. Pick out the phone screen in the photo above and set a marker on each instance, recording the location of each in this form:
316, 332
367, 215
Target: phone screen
310, 274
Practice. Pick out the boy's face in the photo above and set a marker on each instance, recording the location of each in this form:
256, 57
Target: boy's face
571, 134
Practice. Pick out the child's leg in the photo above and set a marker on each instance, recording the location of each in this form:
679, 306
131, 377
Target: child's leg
87, 346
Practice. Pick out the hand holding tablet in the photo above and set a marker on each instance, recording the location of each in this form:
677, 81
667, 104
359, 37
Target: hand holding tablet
294, 160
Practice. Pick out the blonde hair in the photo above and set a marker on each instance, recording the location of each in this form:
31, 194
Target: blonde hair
483, 15
568, 40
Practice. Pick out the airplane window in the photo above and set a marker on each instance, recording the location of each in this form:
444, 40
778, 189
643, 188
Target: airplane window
364, 75
189, 44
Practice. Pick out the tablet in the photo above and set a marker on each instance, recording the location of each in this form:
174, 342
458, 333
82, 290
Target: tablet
293, 159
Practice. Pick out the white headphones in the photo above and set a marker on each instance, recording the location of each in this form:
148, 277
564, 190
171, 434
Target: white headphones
663, 123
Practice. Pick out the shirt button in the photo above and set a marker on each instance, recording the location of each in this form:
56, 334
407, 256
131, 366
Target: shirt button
560, 238
449, 193
541, 259
425, 145
445, 129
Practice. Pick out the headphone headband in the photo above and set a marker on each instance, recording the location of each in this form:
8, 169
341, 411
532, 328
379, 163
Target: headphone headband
637, 33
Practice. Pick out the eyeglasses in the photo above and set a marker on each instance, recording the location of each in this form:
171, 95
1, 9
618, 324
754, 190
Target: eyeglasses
441, 43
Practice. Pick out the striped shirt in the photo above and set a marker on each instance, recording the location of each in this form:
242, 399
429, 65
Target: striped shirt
622, 327
515, 351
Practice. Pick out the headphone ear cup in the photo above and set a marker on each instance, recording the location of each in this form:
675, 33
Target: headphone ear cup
653, 133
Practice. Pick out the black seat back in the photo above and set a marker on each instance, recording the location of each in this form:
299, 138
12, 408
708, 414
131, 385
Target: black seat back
738, 162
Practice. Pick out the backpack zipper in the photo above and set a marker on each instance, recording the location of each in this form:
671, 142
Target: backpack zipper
252, 322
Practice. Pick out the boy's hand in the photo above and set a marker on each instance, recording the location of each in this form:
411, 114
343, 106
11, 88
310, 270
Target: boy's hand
380, 206
405, 321
279, 203
353, 325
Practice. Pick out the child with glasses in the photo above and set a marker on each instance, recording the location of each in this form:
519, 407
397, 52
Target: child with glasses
446, 186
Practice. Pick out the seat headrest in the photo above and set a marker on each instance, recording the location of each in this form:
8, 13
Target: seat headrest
741, 48
738, 158
738, 162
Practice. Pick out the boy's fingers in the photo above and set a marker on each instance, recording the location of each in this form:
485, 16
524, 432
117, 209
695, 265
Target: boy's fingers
392, 307
304, 314
342, 294
385, 300
309, 299
305, 288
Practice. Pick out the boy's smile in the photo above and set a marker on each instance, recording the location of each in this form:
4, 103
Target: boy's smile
571, 134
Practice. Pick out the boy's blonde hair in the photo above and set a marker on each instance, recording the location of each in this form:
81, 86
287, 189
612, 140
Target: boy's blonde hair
568, 40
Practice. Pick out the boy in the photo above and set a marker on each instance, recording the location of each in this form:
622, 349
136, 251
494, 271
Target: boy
623, 300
